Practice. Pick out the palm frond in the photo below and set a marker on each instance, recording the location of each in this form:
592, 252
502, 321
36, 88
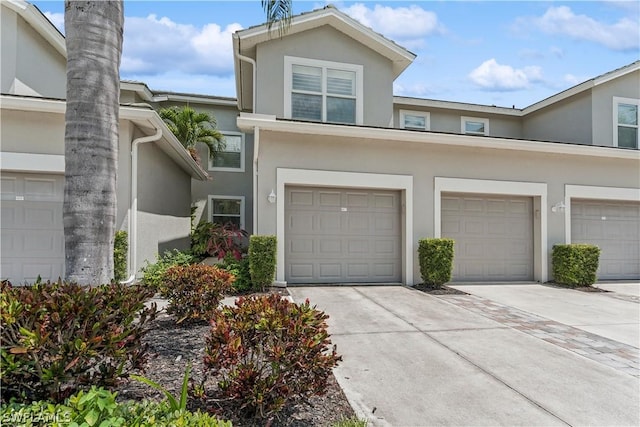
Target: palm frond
278, 13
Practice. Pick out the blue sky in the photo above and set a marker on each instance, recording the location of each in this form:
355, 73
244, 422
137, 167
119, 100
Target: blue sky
496, 53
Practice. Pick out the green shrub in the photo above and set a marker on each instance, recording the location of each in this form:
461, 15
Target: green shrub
217, 240
153, 274
98, 407
240, 270
194, 291
436, 260
576, 264
262, 260
269, 352
120, 249
58, 338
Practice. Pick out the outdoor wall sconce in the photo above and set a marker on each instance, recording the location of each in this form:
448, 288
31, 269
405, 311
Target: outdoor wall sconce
271, 197
558, 207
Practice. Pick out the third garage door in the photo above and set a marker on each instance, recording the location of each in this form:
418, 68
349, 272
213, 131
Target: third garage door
615, 228
336, 235
493, 235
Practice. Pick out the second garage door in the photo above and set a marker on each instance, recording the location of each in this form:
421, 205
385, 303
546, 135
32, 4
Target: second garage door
493, 235
342, 235
615, 228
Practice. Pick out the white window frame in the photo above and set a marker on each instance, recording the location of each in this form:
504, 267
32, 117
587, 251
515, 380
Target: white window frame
617, 100
465, 119
426, 115
213, 197
242, 154
290, 61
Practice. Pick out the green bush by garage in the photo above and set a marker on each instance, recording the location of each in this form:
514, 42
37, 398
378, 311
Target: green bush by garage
575, 264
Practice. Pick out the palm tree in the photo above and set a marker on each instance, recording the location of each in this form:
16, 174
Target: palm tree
192, 127
94, 47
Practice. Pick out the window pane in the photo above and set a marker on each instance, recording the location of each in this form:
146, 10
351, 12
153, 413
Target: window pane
226, 206
341, 110
627, 137
414, 122
227, 160
307, 107
474, 127
227, 219
233, 143
627, 114
341, 82
307, 78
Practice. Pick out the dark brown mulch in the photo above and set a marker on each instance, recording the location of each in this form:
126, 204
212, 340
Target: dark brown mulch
578, 288
438, 290
172, 347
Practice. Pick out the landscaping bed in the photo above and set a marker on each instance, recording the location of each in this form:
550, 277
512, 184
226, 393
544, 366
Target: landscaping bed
438, 290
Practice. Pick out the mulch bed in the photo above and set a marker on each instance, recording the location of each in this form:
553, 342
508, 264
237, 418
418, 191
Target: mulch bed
578, 288
438, 290
172, 347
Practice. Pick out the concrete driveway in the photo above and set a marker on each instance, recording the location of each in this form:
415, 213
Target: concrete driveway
412, 359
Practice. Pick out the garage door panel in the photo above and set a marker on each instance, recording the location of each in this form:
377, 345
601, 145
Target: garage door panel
355, 236
32, 232
301, 198
613, 226
493, 236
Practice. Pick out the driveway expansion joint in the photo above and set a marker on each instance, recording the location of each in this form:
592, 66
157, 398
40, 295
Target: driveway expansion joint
614, 354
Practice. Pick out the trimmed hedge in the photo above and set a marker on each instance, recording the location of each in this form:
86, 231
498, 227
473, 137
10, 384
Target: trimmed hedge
120, 249
262, 260
436, 260
575, 264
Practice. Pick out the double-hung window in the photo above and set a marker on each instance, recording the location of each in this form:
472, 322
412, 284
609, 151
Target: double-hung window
227, 209
231, 159
474, 126
418, 120
323, 91
625, 121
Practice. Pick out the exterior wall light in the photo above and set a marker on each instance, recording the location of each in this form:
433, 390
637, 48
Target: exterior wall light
558, 207
272, 197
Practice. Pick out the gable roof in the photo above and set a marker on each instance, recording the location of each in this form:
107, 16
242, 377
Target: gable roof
245, 42
34, 17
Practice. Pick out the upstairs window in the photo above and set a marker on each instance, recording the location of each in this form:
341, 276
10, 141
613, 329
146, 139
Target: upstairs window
323, 91
474, 126
232, 158
227, 209
625, 131
419, 120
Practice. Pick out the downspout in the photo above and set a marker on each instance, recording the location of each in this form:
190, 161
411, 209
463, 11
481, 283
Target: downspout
133, 206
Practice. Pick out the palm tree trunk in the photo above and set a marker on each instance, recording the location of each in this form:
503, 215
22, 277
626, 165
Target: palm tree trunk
94, 48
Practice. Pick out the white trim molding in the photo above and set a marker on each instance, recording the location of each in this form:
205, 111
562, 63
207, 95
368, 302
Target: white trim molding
403, 183
242, 154
538, 191
424, 114
592, 192
617, 100
465, 119
31, 162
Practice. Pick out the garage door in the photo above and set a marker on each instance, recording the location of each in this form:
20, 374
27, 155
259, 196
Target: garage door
493, 235
342, 235
615, 228
31, 227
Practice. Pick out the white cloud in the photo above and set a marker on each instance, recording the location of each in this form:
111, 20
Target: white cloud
493, 76
155, 45
573, 80
417, 90
177, 81
622, 35
57, 19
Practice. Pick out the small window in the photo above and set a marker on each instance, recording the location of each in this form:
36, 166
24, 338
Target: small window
419, 120
474, 126
625, 132
232, 158
323, 91
227, 209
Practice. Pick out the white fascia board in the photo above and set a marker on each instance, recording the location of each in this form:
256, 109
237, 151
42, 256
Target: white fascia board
39, 22
209, 100
559, 97
139, 88
168, 143
247, 122
617, 73
459, 106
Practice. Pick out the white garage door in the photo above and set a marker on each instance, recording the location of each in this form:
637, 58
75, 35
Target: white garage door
615, 228
342, 235
31, 227
493, 236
